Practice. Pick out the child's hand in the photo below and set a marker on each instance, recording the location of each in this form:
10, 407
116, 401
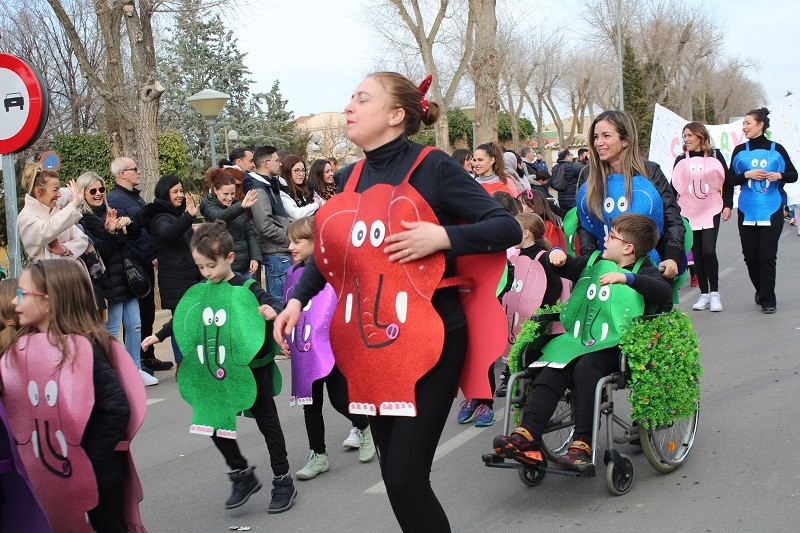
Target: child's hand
557, 257
267, 312
286, 321
149, 341
286, 352
612, 278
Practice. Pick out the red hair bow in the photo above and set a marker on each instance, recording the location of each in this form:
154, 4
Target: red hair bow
423, 89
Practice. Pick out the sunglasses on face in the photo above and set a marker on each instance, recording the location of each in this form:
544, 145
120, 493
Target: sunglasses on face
101, 190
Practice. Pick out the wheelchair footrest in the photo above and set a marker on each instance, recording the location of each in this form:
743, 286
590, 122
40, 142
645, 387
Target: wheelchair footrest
492, 460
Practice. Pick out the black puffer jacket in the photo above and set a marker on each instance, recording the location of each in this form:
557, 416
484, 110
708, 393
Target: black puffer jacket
245, 241
107, 423
572, 172
671, 244
171, 230
113, 249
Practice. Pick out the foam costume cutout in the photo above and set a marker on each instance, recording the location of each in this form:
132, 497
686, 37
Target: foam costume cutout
698, 181
492, 188
219, 328
48, 409
571, 232
594, 315
645, 200
388, 334
310, 343
132, 382
19, 508
525, 296
759, 199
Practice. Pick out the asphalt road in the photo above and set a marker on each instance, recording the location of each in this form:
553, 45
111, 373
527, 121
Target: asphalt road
740, 475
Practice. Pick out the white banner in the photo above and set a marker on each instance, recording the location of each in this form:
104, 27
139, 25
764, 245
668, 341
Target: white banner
666, 139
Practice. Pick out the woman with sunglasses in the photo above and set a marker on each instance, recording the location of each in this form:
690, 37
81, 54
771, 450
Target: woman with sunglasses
111, 236
46, 231
297, 197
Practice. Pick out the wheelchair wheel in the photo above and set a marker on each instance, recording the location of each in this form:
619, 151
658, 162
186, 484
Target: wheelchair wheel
531, 476
667, 445
619, 477
555, 442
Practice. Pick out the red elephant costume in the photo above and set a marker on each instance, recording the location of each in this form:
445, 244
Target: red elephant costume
388, 334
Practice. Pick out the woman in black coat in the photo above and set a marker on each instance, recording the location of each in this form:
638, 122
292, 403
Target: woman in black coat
169, 220
110, 235
221, 204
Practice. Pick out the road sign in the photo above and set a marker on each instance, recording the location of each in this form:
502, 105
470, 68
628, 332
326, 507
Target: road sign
50, 161
25, 104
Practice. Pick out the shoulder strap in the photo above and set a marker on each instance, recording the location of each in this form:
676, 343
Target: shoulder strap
247, 283
772, 147
355, 175
593, 258
425, 151
638, 264
747, 145
540, 254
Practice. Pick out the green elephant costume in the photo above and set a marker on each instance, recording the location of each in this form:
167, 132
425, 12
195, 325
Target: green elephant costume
594, 315
219, 328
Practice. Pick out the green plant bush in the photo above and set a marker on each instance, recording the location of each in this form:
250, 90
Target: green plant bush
82, 152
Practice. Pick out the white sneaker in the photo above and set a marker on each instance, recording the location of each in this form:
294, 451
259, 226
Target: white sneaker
148, 379
715, 304
353, 440
317, 463
367, 450
702, 302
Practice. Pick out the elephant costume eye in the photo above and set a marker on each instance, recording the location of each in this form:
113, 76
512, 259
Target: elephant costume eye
208, 316
754, 163
699, 168
376, 233
359, 234
220, 317
692, 168
622, 204
591, 291
763, 163
608, 205
51, 393
605, 292
33, 393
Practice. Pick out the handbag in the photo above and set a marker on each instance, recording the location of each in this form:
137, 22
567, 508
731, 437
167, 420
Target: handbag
136, 279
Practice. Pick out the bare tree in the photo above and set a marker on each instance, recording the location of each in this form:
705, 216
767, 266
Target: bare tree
517, 67
485, 69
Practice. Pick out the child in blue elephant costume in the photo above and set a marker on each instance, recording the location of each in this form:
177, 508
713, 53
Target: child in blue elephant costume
761, 167
233, 368
609, 293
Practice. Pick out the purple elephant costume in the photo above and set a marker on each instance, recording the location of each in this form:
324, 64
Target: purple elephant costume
19, 508
309, 343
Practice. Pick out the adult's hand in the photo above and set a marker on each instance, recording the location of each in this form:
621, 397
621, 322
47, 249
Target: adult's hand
726, 214
56, 248
286, 321
112, 222
670, 268
420, 239
253, 266
77, 194
755, 175
774, 176
250, 198
191, 207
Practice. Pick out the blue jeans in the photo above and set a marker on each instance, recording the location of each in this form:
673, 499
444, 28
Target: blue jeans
275, 267
246, 274
127, 314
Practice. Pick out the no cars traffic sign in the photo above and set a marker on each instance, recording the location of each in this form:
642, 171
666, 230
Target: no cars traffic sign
25, 104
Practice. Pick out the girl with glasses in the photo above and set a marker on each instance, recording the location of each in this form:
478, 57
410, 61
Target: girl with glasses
297, 197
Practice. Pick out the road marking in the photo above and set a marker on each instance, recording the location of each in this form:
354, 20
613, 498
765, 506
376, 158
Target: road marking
445, 448
696, 292
151, 401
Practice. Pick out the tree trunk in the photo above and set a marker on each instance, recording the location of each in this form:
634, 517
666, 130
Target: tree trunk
485, 68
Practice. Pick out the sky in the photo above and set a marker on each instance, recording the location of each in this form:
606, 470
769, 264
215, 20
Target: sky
320, 49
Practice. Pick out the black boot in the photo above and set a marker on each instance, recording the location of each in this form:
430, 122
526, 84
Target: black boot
283, 494
503, 388
245, 484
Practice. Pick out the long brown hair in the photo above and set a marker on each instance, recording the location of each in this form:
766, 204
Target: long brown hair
298, 191
632, 161
705, 139
9, 321
499, 165
538, 203
534, 223
72, 308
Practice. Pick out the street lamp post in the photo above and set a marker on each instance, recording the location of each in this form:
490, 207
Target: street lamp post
209, 103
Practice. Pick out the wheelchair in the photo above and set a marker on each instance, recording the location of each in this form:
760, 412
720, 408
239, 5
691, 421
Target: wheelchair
665, 446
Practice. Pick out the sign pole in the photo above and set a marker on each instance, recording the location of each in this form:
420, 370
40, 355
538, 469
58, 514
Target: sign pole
10, 193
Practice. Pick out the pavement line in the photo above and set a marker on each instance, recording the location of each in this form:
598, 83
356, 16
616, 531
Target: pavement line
445, 448
696, 292
151, 401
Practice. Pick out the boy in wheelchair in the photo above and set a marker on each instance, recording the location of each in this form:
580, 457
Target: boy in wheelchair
579, 358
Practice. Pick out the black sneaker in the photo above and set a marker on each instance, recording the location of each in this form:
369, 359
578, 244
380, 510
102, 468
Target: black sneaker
502, 390
245, 484
151, 363
768, 309
577, 457
283, 494
519, 446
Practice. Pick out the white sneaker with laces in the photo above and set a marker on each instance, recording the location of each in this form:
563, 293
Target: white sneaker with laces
367, 450
353, 440
702, 302
714, 302
148, 379
317, 464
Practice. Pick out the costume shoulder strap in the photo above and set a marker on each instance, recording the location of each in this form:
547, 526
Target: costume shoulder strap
540, 254
355, 175
422, 155
593, 258
638, 264
247, 283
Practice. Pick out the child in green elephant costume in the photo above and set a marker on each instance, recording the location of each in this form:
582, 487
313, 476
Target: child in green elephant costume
226, 326
609, 293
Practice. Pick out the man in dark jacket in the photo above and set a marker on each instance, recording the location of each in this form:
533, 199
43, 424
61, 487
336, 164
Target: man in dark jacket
269, 218
572, 171
125, 198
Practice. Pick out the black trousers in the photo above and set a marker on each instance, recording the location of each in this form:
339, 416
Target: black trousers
337, 392
704, 250
109, 515
760, 251
581, 376
147, 311
492, 386
406, 445
266, 415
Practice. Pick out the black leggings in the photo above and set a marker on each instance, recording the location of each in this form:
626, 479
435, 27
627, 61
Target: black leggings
704, 250
492, 384
760, 251
337, 392
581, 376
109, 515
266, 414
406, 445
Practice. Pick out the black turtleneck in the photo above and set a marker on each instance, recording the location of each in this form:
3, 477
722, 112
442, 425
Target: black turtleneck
761, 142
727, 187
454, 197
